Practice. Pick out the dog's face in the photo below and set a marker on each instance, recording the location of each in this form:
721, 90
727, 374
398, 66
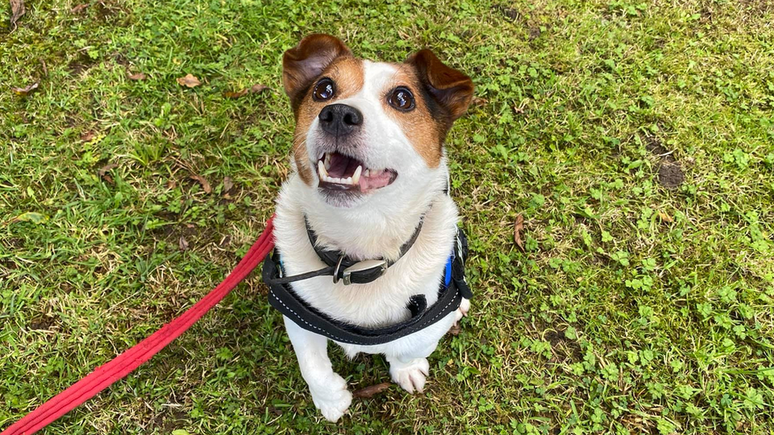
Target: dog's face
364, 129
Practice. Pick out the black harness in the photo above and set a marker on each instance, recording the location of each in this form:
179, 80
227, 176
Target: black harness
282, 297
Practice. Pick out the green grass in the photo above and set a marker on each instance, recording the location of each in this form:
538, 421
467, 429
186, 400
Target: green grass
635, 308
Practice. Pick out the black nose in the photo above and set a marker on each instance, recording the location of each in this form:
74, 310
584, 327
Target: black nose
340, 119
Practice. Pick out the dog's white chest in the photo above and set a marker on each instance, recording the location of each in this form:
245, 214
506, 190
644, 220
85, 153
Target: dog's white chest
385, 300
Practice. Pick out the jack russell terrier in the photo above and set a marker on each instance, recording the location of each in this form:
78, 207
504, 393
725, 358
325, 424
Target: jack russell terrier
368, 206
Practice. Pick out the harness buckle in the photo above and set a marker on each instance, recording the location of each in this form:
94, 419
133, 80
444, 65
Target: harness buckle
360, 267
337, 268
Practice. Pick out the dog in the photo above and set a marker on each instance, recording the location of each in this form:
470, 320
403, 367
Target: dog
369, 174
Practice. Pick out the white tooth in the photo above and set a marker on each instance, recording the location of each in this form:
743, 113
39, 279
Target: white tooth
348, 180
367, 173
356, 175
327, 161
321, 169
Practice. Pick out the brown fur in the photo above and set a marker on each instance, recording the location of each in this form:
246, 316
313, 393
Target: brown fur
441, 95
419, 126
451, 89
347, 73
303, 64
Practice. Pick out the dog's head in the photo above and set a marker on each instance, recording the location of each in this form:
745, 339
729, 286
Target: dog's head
364, 129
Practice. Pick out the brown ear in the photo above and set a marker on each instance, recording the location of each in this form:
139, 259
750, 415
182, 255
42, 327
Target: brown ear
302, 64
451, 89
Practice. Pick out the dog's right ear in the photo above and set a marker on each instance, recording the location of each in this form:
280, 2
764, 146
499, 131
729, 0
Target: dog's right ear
302, 64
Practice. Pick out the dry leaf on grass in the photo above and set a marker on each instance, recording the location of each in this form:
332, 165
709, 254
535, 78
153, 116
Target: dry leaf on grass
26, 90
227, 185
103, 171
203, 181
237, 94
479, 102
367, 392
182, 244
665, 217
86, 136
17, 10
518, 228
255, 89
258, 88
189, 81
78, 9
139, 76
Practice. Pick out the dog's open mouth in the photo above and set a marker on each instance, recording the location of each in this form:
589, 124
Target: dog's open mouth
341, 172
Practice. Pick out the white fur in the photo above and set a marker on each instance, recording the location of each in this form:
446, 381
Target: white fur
373, 227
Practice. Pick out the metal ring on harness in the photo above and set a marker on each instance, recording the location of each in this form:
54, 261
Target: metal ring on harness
336, 270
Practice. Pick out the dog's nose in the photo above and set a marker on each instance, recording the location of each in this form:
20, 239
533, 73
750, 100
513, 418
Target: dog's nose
340, 119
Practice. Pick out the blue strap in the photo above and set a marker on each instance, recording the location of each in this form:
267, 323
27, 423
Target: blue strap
447, 277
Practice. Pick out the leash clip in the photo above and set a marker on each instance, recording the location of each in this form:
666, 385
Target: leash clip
361, 267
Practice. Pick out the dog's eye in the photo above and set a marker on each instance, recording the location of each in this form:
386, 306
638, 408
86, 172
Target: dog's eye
401, 99
324, 90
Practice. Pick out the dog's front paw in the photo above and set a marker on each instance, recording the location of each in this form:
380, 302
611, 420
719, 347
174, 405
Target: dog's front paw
411, 376
333, 398
461, 312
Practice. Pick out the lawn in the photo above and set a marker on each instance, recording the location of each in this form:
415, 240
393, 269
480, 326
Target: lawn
635, 140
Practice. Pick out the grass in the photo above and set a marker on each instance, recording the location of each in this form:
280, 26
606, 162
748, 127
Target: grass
636, 139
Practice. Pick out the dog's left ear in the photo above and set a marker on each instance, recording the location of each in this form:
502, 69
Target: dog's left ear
451, 89
302, 64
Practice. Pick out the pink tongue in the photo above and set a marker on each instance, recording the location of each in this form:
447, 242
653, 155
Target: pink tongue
375, 181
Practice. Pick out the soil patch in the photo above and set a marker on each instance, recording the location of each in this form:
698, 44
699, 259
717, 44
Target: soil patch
670, 171
510, 13
80, 64
670, 175
42, 323
562, 345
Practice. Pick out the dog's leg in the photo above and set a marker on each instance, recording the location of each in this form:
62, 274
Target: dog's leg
329, 390
410, 369
462, 311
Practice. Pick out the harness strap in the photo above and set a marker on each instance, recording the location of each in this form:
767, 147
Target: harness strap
332, 257
345, 269
283, 298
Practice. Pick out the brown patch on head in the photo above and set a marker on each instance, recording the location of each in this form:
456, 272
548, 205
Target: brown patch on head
315, 57
301, 157
303, 64
424, 132
441, 95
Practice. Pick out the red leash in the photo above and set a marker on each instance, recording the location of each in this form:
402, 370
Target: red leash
105, 375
